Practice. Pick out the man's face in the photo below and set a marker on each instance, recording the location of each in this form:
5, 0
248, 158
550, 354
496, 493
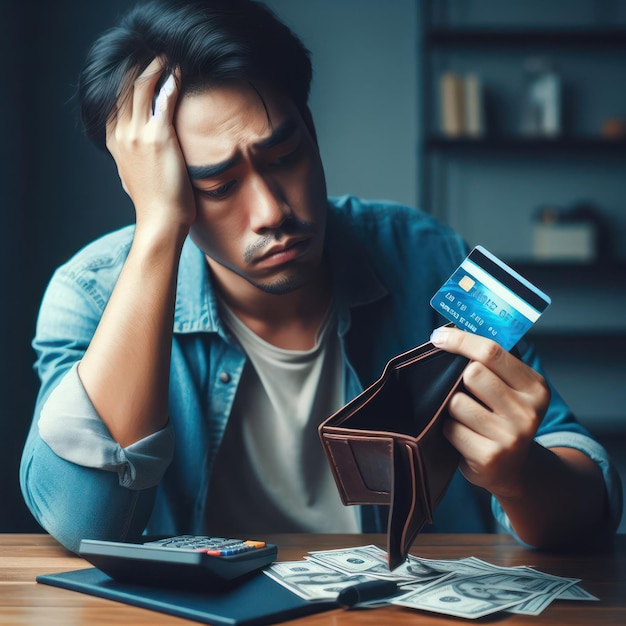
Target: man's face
259, 187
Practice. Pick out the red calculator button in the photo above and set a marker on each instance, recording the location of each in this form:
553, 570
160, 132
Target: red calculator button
213, 552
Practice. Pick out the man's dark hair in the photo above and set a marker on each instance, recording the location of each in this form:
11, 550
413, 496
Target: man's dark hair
210, 41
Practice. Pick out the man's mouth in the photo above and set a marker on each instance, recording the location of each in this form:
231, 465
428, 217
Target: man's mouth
282, 252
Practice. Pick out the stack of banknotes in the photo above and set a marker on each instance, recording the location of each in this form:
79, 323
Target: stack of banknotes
468, 587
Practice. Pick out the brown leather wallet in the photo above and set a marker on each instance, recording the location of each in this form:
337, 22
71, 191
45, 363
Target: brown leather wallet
387, 446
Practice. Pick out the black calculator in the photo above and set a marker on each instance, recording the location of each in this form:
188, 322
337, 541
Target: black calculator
187, 561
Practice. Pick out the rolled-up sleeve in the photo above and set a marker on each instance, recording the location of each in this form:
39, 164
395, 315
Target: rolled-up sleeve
76, 480
596, 453
560, 429
71, 427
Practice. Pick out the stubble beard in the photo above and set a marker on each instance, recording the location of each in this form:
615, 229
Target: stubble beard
290, 281
293, 278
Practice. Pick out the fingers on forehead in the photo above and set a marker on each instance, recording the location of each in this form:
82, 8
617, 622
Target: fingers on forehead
136, 84
152, 71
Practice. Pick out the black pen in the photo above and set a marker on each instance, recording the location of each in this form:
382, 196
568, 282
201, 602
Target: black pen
366, 592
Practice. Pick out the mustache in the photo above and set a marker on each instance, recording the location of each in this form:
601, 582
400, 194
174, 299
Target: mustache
289, 227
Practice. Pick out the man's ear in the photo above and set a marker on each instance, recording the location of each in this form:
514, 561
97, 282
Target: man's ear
308, 122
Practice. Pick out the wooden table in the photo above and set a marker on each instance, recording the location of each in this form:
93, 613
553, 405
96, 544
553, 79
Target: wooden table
24, 602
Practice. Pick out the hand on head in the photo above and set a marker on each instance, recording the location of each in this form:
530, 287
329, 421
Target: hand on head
142, 140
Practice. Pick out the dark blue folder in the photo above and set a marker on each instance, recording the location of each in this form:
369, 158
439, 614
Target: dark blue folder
258, 600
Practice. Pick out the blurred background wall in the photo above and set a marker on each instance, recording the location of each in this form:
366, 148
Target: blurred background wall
368, 101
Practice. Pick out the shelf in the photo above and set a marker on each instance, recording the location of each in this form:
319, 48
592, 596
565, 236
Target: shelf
609, 38
576, 145
610, 271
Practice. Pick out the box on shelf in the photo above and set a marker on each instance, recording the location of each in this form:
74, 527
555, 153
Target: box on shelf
567, 242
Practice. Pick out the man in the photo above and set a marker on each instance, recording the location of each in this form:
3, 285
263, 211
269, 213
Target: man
186, 361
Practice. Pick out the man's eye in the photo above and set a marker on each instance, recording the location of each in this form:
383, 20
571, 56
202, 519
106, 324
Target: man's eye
219, 192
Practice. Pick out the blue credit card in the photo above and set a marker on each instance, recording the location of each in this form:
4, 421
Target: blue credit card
487, 297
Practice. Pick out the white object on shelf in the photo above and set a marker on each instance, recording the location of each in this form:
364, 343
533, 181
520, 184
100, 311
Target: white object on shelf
541, 112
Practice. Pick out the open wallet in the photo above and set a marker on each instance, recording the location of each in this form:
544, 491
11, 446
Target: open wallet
387, 446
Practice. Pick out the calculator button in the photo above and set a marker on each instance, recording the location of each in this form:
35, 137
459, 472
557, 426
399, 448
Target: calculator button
214, 546
246, 546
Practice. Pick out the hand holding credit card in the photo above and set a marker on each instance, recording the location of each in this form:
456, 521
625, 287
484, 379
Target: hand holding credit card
488, 298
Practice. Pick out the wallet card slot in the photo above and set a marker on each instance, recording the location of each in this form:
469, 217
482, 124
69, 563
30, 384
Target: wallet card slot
373, 459
362, 468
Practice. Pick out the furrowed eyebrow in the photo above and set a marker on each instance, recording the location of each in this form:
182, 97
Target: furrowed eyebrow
199, 172
282, 132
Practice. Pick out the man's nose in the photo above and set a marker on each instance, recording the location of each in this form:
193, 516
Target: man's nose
268, 206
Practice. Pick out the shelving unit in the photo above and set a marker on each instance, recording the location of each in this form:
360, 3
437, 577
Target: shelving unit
572, 146
583, 334
435, 149
604, 38
437, 39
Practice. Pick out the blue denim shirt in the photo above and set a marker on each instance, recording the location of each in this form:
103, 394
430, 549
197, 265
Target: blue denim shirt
387, 261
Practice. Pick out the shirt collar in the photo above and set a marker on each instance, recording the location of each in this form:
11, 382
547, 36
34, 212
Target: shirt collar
355, 281
196, 305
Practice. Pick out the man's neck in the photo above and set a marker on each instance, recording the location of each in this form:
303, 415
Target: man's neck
290, 321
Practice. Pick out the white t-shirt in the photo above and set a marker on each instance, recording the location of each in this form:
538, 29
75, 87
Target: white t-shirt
271, 474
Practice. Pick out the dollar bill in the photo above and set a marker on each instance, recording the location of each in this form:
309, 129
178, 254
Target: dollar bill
310, 580
576, 592
364, 559
371, 560
469, 597
546, 587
